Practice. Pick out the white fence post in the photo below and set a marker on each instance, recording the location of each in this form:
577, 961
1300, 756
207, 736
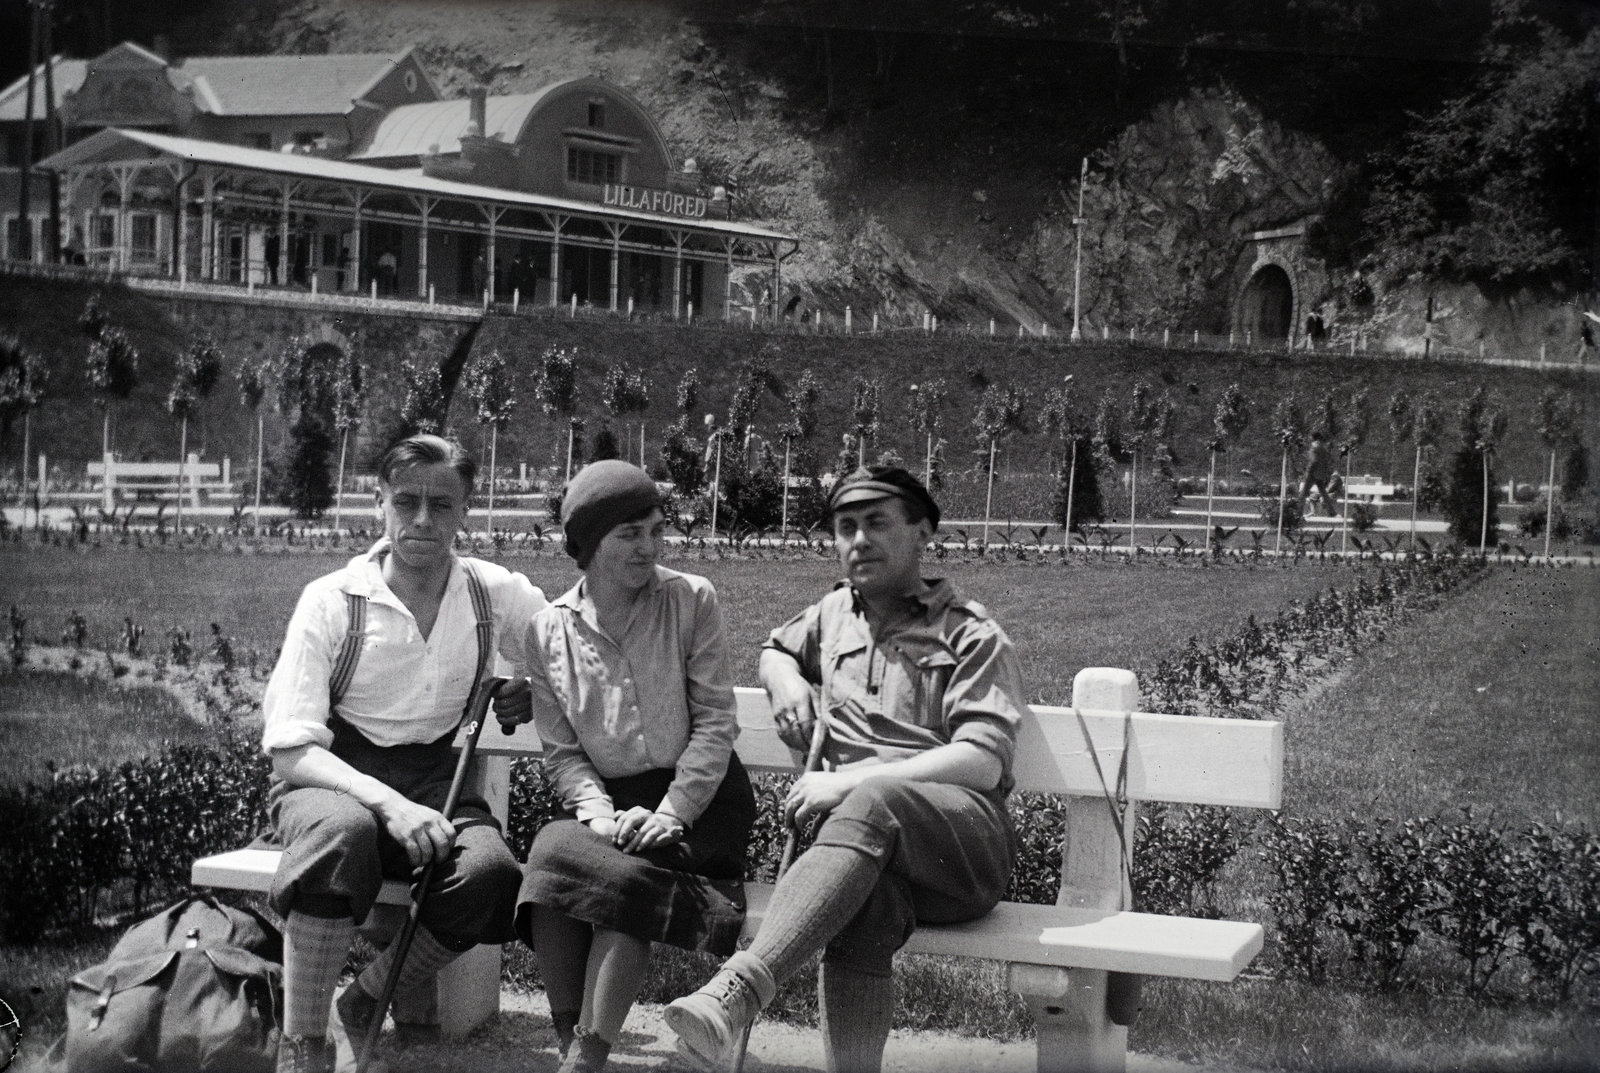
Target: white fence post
874, 323
847, 324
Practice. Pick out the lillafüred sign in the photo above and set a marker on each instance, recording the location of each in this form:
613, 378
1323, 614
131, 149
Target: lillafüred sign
663, 201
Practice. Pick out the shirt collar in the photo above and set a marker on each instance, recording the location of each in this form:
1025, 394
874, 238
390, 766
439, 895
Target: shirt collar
936, 595
576, 599
364, 577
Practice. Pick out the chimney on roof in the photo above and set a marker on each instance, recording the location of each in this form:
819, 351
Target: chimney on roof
478, 118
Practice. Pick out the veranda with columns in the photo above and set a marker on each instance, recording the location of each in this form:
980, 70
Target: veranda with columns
193, 209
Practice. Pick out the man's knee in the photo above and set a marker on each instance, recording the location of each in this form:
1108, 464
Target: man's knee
476, 899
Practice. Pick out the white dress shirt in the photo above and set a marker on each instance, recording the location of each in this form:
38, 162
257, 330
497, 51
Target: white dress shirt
406, 689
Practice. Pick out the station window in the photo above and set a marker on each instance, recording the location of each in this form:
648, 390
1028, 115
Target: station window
257, 140
105, 231
592, 166
306, 139
142, 236
597, 113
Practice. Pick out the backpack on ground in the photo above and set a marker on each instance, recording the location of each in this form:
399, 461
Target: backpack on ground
194, 989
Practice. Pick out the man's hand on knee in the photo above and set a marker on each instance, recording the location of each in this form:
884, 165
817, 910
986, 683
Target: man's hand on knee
423, 832
817, 793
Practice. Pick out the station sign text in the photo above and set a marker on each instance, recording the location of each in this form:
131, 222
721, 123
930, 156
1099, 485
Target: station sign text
663, 201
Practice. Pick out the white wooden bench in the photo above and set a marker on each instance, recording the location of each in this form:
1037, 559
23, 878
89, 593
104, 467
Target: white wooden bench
1370, 491
1059, 955
163, 479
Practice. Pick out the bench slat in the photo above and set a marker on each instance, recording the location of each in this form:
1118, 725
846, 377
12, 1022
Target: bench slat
1179, 758
253, 869
1034, 934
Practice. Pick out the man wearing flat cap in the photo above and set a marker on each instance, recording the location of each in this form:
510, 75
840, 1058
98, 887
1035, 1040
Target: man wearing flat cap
920, 696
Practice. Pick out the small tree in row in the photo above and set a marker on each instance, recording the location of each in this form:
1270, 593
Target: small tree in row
23, 375
927, 417
252, 380
801, 426
1001, 412
494, 400
199, 369
1228, 423
1557, 428
1289, 427
557, 392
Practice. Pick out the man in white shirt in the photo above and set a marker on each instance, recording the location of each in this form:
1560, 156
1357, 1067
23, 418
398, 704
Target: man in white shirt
377, 666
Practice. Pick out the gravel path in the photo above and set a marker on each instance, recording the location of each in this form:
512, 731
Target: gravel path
521, 1041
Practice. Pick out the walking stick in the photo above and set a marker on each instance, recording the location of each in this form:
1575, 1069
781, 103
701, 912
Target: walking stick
819, 741
477, 712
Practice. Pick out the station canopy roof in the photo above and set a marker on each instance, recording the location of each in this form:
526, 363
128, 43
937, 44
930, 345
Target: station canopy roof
121, 145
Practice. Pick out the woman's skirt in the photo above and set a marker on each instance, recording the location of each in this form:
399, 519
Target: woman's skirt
689, 895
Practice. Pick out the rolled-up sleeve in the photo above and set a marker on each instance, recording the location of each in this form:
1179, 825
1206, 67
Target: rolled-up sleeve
801, 640
516, 600
713, 713
567, 768
983, 702
295, 705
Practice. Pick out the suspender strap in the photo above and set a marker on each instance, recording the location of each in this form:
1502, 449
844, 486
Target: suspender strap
483, 610
344, 665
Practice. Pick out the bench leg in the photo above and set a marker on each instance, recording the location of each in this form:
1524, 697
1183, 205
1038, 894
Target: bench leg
1069, 1016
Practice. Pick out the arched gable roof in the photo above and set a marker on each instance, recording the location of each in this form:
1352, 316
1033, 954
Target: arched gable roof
589, 84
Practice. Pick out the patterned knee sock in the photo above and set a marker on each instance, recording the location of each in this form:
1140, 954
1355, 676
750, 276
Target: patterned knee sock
314, 953
822, 891
857, 1010
426, 958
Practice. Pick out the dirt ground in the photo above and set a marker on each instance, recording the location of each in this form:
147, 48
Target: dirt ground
521, 1041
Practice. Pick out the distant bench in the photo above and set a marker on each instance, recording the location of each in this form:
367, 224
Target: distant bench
162, 479
1059, 955
1371, 491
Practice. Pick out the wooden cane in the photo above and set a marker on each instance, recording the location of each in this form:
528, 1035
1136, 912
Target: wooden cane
819, 741
477, 713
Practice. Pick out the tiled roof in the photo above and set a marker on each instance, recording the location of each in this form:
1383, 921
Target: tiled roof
414, 129
67, 76
280, 85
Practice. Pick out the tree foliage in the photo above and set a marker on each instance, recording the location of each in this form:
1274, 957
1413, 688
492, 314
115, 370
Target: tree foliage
1498, 186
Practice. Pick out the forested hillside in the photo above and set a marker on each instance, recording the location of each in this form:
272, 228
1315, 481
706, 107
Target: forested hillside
928, 153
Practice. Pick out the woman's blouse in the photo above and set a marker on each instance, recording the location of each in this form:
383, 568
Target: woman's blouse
659, 696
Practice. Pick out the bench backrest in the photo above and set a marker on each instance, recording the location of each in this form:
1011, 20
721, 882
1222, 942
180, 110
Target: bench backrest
190, 470
1177, 758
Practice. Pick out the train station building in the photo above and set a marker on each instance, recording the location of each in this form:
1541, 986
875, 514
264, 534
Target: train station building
347, 173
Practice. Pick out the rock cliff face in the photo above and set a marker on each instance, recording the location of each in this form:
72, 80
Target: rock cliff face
1168, 206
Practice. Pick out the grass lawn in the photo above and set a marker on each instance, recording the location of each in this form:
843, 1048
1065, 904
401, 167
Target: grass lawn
1493, 701
1090, 613
110, 723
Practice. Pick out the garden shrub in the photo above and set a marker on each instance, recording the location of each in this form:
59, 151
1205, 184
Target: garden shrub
1463, 504
1294, 511
1477, 879
1560, 933
308, 489
1309, 859
1384, 896
1087, 503
1178, 857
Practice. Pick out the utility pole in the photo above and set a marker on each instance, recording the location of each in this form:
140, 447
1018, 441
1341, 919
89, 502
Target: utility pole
1077, 268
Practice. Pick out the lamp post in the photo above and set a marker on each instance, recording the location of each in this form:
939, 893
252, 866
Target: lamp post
1077, 268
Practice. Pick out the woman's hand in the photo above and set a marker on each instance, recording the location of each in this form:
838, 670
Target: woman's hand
639, 829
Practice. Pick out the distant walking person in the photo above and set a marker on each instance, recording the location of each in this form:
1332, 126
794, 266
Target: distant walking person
1319, 471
